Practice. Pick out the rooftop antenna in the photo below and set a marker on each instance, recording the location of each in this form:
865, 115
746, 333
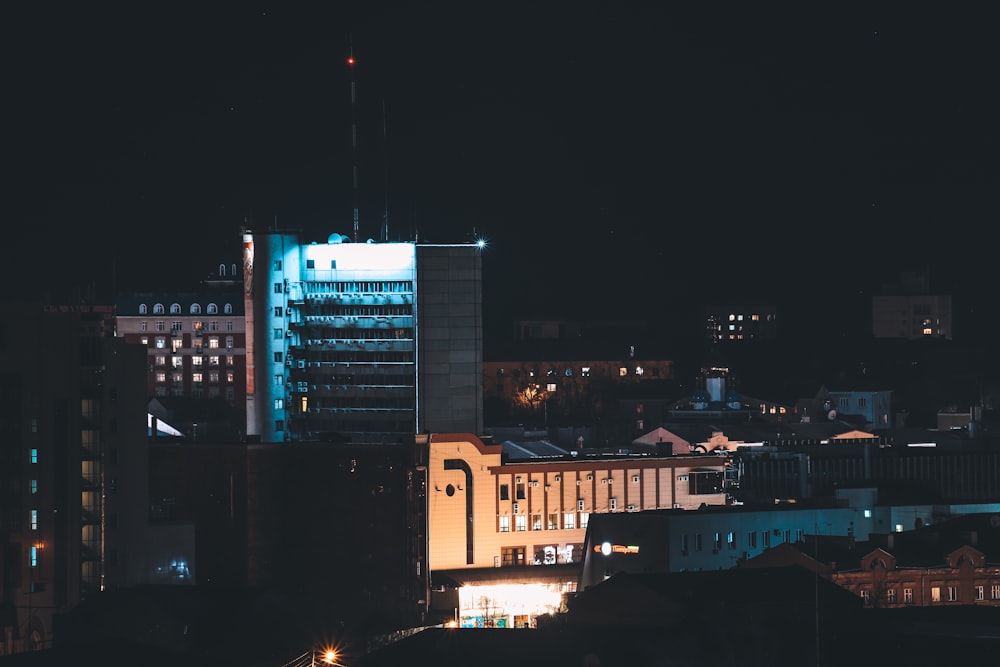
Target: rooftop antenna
354, 130
385, 213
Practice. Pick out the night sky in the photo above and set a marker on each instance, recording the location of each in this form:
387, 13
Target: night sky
603, 148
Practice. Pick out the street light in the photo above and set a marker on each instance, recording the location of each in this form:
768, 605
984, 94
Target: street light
327, 656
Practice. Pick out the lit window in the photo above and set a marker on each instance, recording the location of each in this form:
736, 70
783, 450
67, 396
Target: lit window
638, 370
229, 376
279, 380
34, 486
536, 521
622, 372
890, 596
161, 377
279, 404
505, 524
144, 340
584, 519
196, 377
995, 592
34, 455
213, 360
521, 523
866, 595
196, 361
908, 595
34, 519
34, 555
213, 342
980, 593
569, 521
161, 343
935, 594
585, 371
550, 387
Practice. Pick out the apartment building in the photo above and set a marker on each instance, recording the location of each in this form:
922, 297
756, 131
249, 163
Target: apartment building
195, 341
361, 342
73, 483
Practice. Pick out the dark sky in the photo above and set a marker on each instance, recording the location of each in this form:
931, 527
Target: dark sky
602, 147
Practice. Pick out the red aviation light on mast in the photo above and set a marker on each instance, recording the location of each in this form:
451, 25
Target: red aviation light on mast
350, 60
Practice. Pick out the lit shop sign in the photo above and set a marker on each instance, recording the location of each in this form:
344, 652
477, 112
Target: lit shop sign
607, 549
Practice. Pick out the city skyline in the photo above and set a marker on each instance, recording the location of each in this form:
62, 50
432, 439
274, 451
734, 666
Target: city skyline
632, 150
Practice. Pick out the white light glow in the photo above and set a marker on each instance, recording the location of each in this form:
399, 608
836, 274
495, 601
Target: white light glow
487, 604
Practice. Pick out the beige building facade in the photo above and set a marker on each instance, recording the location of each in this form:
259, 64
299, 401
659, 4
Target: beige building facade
486, 511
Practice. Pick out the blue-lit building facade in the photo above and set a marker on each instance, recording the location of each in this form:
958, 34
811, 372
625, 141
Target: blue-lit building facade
366, 343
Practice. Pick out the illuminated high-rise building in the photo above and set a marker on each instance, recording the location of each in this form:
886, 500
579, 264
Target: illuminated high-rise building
366, 343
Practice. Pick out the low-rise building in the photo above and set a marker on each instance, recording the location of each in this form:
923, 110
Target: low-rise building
496, 506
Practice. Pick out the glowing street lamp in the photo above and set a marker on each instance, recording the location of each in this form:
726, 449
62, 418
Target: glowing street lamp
326, 656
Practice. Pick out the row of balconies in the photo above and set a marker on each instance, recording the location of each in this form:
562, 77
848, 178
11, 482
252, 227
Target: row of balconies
368, 345
356, 297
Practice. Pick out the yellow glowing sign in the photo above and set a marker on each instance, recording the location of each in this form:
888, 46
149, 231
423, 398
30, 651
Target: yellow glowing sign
607, 549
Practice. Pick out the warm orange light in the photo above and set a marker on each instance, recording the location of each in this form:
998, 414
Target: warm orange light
330, 657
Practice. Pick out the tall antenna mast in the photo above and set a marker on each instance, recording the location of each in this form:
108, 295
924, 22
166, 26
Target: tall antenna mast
385, 141
354, 130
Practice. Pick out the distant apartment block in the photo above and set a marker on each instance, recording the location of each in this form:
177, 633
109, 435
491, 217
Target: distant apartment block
195, 341
910, 310
735, 323
535, 389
